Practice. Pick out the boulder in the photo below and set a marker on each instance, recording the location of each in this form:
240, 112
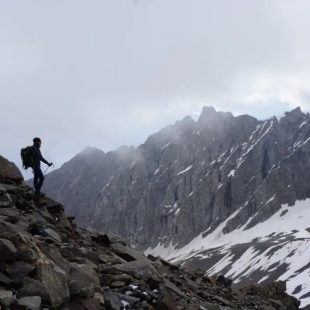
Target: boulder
83, 304
118, 284
82, 280
5, 281
221, 280
26, 246
138, 269
2, 190
43, 229
8, 170
7, 250
55, 281
5, 200
32, 287
18, 271
112, 301
7, 229
29, 303
166, 302
6, 298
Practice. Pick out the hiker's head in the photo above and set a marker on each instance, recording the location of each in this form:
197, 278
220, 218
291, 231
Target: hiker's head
37, 142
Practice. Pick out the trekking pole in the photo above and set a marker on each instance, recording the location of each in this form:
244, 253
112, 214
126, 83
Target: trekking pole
47, 168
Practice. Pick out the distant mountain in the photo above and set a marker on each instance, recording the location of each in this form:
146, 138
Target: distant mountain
194, 183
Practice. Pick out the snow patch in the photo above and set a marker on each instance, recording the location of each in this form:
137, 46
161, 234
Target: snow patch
190, 194
231, 173
294, 252
166, 145
303, 124
156, 171
270, 199
185, 170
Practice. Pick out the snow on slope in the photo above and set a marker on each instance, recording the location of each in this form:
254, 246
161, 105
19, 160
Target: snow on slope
289, 230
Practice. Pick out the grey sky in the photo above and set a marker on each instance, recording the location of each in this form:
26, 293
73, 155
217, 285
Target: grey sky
111, 72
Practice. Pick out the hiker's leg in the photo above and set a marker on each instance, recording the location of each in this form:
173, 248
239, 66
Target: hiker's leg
41, 179
35, 178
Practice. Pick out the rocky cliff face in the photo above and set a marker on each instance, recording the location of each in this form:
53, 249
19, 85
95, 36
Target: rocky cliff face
227, 194
190, 177
47, 262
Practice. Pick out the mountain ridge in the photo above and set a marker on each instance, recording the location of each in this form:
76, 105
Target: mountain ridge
191, 177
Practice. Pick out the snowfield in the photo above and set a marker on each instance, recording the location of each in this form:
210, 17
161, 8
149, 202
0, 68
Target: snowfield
287, 234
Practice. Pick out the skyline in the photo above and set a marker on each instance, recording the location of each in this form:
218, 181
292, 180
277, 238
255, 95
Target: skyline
28, 173
108, 73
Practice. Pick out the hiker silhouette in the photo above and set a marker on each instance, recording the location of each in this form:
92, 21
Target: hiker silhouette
38, 176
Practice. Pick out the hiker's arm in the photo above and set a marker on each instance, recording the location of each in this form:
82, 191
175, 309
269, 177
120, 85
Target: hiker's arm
44, 160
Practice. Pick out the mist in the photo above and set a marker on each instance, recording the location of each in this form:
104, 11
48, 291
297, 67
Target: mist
109, 73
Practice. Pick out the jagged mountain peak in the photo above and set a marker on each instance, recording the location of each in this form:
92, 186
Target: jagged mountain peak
297, 112
181, 183
125, 149
294, 115
209, 114
90, 150
187, 122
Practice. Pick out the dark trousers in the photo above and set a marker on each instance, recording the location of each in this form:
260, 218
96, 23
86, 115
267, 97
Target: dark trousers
38, 178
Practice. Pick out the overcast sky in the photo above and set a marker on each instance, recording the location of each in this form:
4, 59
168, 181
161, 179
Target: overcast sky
110, 72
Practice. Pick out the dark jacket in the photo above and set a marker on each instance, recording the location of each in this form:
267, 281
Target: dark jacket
37, 157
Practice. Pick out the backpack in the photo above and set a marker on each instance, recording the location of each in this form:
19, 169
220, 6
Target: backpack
27, 154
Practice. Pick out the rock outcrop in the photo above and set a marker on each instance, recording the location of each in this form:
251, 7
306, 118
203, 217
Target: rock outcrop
9, 170
48, 262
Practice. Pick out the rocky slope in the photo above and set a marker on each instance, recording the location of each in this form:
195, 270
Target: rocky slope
47, 262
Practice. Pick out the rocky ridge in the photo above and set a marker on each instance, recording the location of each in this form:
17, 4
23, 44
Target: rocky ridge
48, 262
190, 177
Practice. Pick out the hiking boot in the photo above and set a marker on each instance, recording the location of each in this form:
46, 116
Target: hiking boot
39, 194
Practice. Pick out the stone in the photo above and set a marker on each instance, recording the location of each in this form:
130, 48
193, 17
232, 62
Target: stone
82, 281
99, 297
6, 298
112, 301
53, 207
55, 281
5, 200
64, 221
83, 304
18, 271
138, 269
166, 302
8, 170
5, 281
42, 229
132, 301
32, 287
52, 234
118, 284
7, 229
103, 240
221, 280
30, 303
2, 190
7, 250
27, 249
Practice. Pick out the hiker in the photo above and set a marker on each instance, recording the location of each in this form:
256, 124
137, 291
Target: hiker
37, 157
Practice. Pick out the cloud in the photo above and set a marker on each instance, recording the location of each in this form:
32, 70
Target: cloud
108, 73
